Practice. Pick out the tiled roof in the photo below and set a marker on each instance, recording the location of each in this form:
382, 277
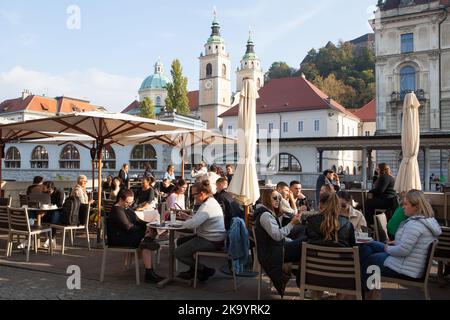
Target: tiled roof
193, 97
45, 104
291, 95
368, 113
132, 106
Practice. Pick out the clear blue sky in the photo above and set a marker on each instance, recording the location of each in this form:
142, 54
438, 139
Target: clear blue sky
119, 41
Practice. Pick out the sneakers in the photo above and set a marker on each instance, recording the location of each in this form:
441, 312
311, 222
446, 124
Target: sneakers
47, 243
22, 245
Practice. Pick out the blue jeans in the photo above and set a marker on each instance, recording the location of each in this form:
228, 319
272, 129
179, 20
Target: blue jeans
373, 254
53, 217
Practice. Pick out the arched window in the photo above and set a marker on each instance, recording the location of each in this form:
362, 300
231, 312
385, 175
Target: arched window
108, 158
158, 101
224, 70
258, 83
407, 80
287, 163
12, 158
333, 168
141, 155
70, 158
347, 170
209, 70
39, 158
355, 172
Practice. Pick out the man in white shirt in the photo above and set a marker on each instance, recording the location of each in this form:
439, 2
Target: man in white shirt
198, 174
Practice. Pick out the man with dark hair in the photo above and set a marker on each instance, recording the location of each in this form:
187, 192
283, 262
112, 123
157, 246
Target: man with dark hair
229, 206
300, 199
37, 186
287, 203
230, 172
329, 177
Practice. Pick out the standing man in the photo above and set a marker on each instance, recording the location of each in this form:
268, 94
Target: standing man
229, 206
123, 174
202, 170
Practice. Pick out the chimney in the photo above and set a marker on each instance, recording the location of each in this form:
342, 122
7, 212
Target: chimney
25, 94
303, 76
328, 100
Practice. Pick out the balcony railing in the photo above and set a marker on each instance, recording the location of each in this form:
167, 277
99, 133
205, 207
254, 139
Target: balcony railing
400, 96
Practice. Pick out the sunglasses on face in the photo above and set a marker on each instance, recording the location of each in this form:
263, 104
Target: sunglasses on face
276, 198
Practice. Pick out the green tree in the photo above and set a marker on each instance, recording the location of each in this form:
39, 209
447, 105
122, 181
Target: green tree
147, 109
279, 70
177, 90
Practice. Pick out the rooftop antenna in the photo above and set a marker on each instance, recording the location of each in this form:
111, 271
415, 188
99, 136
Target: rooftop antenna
215, 13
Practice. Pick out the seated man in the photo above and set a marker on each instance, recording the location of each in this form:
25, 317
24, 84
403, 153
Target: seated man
230, 207
37, 186
210, 232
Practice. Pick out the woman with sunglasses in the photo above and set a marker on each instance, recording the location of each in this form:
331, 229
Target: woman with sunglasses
125, 229
274, 247
354, 216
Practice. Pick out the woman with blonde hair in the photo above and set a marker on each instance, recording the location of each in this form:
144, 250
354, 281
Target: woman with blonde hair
407, 255
329, 227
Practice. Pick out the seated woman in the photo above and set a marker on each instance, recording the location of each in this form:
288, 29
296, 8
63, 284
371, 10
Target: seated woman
107, 186
166, 188
79, 192
125, 229
176, 200
354, 216
54, 217
384, 195
210, 231
274, 247
115, 189
145, 197
329, 227
407, 255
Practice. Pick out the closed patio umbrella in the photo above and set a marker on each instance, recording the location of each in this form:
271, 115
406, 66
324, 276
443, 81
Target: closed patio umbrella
244, 185
409, 174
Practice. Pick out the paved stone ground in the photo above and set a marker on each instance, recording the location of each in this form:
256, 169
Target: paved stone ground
44, 277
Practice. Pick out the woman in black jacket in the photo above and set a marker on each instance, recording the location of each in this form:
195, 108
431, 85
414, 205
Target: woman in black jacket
274, 247
329, 227
384, 195
125, 229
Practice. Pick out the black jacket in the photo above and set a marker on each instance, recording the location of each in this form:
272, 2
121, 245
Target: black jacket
346, 233
125, 228
230, 207
125, 179
57, 197
270, 252
384, 188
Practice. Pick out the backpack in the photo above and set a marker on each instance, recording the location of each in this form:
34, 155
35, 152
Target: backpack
70, 211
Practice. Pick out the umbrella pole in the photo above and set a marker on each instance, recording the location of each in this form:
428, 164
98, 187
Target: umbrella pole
182, 163
100, 164
247, 215
93, 176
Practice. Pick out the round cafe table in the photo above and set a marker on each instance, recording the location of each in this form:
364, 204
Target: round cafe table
171, 228
41, 212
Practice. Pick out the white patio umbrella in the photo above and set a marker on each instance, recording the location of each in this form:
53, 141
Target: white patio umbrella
244, 185
409, 174
183, 139
105, 128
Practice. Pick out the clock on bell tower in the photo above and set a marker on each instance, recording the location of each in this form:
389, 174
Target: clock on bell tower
215, 79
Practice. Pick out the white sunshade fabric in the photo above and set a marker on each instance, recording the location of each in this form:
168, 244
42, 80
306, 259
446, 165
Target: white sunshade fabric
244, 185
408, 177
